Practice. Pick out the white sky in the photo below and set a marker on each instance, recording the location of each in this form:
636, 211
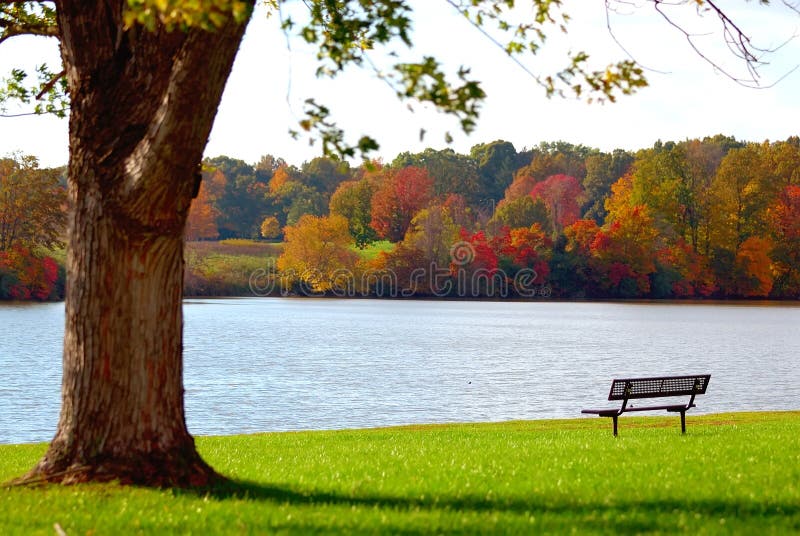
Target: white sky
686, 98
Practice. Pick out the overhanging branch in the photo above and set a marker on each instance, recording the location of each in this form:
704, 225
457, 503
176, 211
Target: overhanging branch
737, 40
10, 30
27, 18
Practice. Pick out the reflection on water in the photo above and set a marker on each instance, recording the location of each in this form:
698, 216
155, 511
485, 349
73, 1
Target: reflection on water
279, 364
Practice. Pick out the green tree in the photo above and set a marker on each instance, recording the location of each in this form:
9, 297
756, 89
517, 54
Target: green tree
296, 200
241, 207
432, 232
353, 201
496, 162
324, 174
521, 212
602, 170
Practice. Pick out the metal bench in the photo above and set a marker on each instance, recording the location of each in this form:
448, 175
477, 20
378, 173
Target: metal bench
630, 388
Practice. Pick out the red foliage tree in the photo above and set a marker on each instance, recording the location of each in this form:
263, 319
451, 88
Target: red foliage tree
784, 217
24, 276
580, 236
694, 275
625, 251
522, 248
395, 202
563, 195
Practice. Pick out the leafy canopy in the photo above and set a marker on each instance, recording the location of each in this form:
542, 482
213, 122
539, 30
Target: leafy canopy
350, 32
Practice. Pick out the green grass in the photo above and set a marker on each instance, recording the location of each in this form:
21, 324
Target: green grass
372, 250
224, 268
731, 473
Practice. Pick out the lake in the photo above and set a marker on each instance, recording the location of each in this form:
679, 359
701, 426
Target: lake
266, 364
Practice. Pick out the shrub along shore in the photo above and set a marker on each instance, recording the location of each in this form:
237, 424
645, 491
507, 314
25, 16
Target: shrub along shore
731, 473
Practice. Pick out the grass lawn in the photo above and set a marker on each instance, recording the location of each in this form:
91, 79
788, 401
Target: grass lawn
224, 268
374, 249
731, 473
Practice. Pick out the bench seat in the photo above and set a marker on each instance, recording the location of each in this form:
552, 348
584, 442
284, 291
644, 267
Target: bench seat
627, 389
611, 411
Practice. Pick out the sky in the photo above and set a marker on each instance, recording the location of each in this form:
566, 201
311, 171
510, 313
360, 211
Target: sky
687, 97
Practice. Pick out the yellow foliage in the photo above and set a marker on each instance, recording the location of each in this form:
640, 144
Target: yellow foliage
317, 250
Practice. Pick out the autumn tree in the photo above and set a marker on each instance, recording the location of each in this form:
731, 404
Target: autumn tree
572, 264
315, 250
741, 197
270, 227
279, 178
433, 232
32, 215
202, 220
681, 272
32, 204
450, 172
602, 170
563, 197
25, 276
400, 196
523, 248
785, 219
547, 160
624, 252
144, 79
753, 268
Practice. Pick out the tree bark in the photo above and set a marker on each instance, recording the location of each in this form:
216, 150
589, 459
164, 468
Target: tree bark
142, 106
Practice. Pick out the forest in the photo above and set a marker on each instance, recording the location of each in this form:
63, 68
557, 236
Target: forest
700, 218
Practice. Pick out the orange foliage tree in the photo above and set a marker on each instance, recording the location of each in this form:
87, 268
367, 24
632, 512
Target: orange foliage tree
523, 248
202, 220
785, 220
624, 252
753, 267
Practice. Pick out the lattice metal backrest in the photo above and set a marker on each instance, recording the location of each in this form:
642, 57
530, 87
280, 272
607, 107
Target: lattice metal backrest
661, 386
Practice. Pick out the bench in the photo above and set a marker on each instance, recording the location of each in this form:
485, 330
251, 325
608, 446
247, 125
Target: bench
627, 389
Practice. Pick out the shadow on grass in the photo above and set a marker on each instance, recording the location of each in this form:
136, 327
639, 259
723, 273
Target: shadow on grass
619, 515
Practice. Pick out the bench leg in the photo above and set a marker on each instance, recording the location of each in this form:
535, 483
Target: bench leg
683, 422
615, 424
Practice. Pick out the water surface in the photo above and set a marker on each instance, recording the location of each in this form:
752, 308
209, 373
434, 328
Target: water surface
285, 364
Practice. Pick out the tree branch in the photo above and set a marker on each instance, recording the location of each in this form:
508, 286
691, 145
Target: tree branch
49, 85
13, 29
735, 37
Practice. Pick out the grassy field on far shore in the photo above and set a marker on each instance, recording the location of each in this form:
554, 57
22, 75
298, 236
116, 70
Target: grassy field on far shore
735, 473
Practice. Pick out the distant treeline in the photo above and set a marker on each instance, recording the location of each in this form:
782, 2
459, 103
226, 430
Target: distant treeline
715, 217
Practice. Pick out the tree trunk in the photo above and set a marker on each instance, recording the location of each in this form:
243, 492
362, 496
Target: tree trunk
142, 106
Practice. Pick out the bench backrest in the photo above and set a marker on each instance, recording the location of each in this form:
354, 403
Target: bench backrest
628, 388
